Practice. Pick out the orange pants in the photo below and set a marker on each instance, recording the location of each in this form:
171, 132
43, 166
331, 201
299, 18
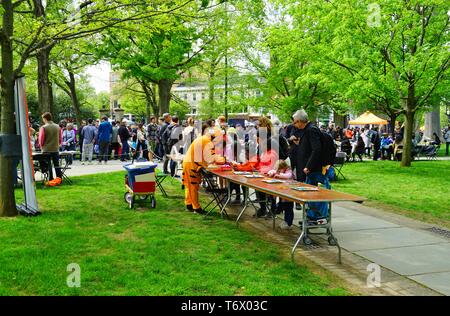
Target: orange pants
191, 181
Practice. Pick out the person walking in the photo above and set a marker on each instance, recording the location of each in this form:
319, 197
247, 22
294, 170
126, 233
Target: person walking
115, 140
80, 138
174, 146
104, 139
376, 141
124, 136
88, 134
165, 140
447, 140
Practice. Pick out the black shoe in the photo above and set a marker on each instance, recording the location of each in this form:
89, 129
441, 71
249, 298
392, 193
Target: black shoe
260, 213
200, 211
189, 208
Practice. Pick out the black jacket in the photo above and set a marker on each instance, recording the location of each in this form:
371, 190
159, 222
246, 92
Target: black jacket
308, 152
124, 134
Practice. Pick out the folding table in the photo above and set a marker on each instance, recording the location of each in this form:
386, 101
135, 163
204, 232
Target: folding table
285, 191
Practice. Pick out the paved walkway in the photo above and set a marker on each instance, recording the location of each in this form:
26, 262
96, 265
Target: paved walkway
404, 246
411, 253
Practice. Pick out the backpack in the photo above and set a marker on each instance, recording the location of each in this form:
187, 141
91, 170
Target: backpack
328, 153
165, 138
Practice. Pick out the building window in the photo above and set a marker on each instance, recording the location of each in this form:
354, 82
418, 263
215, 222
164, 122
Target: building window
194, 111
185, 96
194, 96
203, 95
258, 93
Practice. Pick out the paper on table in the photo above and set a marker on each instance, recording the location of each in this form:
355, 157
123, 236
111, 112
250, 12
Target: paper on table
305, 189
242, 173
273, 181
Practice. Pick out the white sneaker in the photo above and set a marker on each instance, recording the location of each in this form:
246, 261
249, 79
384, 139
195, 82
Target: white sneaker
284, 226
106, 162
90, 163
82, 163
99, 162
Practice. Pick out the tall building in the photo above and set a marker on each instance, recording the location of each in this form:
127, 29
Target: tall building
114, 86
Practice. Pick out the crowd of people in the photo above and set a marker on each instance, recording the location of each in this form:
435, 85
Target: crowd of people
294, 151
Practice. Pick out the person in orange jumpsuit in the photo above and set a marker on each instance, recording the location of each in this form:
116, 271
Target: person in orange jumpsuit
199, 155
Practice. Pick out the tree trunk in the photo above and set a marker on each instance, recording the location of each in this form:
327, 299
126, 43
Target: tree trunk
7, 198
164, 88
211, 90
409, 126
339, 120
150, 101
74, 98
433, 123
45, 94
393, 118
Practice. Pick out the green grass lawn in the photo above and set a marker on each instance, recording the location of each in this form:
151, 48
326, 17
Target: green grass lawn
166, 251
421, 191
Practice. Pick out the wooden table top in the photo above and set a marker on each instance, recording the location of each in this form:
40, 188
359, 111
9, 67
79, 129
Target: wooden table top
284, 190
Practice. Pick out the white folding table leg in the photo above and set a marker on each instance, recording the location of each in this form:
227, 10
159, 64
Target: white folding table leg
302, 234
246, 203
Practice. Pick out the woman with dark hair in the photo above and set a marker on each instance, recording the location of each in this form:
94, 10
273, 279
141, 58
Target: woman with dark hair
263, 162
436, 141
359, 148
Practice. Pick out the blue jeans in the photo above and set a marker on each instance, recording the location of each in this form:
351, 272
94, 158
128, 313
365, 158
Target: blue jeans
125, 151
316, 210
288, 209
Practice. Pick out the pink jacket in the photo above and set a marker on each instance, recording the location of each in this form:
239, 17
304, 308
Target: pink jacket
287, 175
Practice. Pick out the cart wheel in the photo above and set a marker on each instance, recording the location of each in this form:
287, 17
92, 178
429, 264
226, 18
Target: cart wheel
143, 197
307, 241
129, 199
153, 201
332, 241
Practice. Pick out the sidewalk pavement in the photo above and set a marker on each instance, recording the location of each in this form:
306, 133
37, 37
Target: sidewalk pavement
418, 251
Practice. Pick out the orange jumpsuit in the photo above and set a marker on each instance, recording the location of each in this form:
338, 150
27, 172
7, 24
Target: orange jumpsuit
199, 155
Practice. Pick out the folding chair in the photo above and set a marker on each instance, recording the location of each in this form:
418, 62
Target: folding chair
339, 163
160, 177
218, 193
432, 154
64, 166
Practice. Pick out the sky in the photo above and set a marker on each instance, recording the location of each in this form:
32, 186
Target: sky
100, 76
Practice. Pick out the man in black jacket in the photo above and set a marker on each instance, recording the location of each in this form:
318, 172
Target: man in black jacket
308, 148
165, 140
124, 136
